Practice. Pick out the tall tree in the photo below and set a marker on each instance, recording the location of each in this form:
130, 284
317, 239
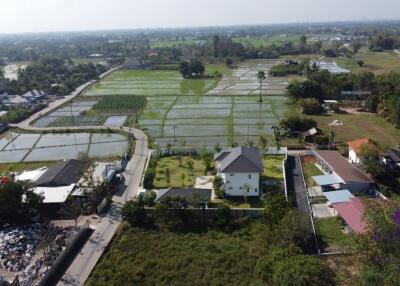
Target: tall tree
261, 77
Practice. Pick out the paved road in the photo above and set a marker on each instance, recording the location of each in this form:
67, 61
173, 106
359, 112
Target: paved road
84, 263
91, 252
296, 183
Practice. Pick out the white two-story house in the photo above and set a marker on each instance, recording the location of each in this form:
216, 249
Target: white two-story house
240, 169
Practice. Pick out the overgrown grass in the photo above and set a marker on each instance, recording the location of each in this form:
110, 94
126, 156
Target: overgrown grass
310, 170
176, 170
330, 234
6, 168
148, 257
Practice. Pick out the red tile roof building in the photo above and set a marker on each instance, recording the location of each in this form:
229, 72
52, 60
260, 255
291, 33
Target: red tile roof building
352, 213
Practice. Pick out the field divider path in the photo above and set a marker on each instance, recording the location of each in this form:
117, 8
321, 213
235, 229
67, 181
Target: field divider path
174, 102
33, 147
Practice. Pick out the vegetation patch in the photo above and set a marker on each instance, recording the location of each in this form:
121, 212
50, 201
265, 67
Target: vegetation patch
121, 104
331, 235
178, 171
310, 170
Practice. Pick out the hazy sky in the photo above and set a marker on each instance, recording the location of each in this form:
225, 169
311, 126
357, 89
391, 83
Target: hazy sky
71, 15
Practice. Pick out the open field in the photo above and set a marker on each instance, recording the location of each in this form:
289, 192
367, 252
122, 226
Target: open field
374, 62
149, 83
176, 170
356, 126
25, 147
169, 43
257, 41
151, 257
223, 115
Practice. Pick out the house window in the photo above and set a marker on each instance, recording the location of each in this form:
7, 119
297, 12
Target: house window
256, 190
230, 188
249, 176
231, 175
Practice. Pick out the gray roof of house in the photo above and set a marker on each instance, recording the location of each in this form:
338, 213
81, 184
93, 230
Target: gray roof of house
204, 194
394, 154
240, 160
34, 93
63, 174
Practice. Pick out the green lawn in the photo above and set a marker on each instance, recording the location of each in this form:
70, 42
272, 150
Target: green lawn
273, 167
330, 235
176, 171
356, 126
272, 178
151, 257
310, 170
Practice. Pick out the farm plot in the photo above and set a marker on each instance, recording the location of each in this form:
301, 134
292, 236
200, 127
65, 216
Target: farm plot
82, 120
243, 81
71, 114
149, 83
115, 121
122, 103
17, 147
212, 120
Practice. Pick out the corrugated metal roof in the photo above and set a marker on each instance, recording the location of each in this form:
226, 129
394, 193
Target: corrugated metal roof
352, 213
347, 171
341, 196
63, 174
394, 154
326, 180
54, 195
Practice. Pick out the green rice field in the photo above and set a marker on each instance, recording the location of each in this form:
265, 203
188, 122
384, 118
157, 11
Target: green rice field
186, 112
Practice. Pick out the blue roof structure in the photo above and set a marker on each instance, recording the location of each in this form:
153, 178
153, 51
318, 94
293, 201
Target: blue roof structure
326, 180
338, 196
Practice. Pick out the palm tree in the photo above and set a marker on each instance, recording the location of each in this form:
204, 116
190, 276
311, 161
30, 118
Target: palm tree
261, 77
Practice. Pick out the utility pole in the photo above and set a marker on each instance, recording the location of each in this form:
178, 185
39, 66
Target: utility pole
174, 126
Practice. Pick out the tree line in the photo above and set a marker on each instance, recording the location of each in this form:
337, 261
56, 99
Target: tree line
321, 85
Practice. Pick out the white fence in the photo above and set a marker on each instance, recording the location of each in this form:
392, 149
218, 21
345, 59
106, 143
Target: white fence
276, 151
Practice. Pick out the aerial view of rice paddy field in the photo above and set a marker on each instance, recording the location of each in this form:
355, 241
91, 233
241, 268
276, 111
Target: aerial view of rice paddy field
31, 147
177, 111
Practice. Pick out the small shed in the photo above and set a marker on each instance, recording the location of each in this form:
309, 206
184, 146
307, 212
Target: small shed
340, 196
